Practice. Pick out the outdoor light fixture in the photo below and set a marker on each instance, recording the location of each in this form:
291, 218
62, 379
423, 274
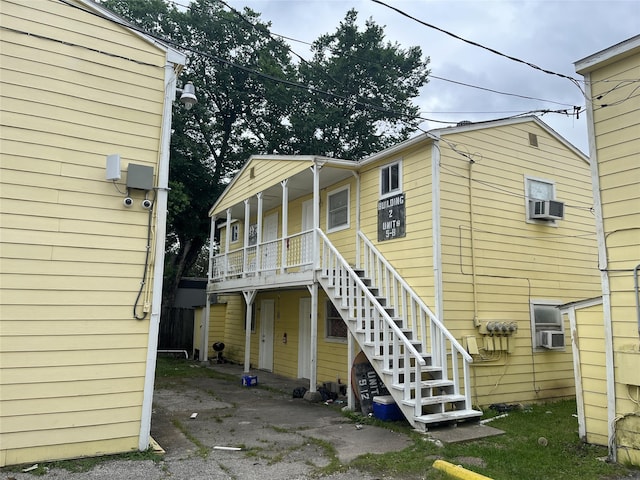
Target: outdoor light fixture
187, 95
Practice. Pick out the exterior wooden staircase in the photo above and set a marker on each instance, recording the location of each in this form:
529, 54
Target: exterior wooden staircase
422, 365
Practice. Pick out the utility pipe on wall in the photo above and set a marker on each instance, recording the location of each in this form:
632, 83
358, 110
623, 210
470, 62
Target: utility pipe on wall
476, 322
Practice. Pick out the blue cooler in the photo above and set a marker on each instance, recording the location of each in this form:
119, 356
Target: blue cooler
385, 408
249, 380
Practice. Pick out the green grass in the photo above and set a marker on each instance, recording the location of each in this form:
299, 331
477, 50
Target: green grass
171, 370
518, 454
82, 465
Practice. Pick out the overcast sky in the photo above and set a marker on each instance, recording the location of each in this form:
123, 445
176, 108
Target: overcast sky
548, 33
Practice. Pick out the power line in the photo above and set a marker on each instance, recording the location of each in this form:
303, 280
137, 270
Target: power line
476, 44
497, 91
272, 34
84, 47
400, 116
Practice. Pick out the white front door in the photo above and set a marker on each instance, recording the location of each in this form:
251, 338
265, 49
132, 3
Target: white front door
304, 339
306, 245
265, 355
270, 247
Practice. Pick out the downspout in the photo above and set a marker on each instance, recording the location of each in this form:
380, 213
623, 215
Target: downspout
636, 294
170, 76
476, 322
604, 274
435, 221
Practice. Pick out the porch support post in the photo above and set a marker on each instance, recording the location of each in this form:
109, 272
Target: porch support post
285, 221
247, 226
259, 234
249, 297
313, 348
316, 217
227, 242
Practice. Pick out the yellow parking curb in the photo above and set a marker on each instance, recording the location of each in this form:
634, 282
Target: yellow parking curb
457, 471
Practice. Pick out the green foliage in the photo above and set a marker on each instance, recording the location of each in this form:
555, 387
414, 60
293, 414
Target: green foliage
374, 83
241, 110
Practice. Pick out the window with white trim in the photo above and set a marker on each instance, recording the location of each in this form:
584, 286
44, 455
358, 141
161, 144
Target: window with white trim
235, 229
538, 189
546, 317
390, 179
338, 209
336, 328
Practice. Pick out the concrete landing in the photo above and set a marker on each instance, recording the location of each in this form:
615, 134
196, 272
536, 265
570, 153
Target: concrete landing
463, 432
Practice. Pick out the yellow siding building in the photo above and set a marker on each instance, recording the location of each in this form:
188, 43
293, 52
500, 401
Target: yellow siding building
467, 239
613, 109
77, 332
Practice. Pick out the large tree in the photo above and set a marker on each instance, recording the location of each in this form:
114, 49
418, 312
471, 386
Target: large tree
371, 84
238, 112
352, 98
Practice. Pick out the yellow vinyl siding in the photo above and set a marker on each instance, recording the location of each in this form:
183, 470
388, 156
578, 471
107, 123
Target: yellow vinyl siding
617, 143
515, 261
416, 268
590, 341
73, 358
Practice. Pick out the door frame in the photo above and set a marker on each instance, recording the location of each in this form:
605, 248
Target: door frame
267, 336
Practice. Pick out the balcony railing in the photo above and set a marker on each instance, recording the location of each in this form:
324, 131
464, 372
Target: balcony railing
293, 253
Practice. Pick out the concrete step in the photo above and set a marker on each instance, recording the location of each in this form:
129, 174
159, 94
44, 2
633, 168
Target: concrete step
449, 416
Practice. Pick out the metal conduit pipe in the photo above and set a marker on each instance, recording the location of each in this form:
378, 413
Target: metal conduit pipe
635, 286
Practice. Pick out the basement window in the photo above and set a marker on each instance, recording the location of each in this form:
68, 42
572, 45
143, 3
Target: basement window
335, 325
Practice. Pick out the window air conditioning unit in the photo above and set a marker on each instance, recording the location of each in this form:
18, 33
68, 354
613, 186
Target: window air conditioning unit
547, 210
551, 339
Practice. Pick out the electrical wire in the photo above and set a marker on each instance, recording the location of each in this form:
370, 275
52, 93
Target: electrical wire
401, 116
146, 267
497, 91
76, 45
573, 80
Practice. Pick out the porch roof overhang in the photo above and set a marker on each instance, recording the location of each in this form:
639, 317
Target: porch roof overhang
298, 184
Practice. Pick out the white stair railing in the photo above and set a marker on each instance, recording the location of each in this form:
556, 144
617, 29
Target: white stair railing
423, 323
388, 343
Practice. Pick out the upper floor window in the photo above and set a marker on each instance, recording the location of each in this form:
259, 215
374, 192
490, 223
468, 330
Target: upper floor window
390, 179
338, 209
540, 201
234, 232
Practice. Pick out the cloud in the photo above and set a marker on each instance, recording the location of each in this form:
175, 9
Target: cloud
548, 33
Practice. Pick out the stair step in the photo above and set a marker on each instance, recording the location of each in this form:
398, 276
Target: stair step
450, 416
370, 343
437, 399
425, 384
